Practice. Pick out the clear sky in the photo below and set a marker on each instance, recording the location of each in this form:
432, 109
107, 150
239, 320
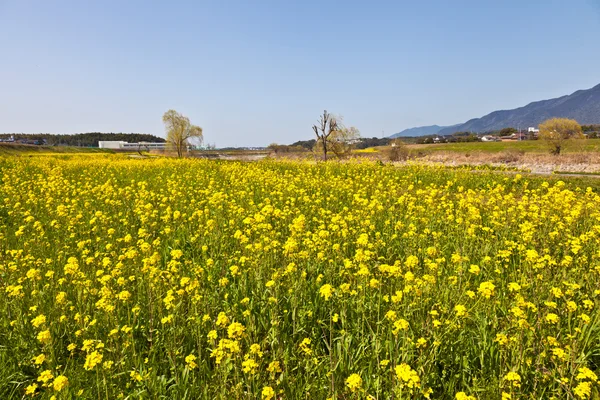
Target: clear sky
257, 72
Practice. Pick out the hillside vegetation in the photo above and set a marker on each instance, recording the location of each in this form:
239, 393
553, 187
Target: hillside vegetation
90, 139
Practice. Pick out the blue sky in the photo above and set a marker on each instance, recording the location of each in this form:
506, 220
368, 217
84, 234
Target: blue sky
253, 73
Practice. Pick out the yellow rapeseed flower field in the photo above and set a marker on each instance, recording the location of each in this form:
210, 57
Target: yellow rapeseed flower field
196, 279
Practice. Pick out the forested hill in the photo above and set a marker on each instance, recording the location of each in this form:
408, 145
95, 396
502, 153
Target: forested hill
82, 139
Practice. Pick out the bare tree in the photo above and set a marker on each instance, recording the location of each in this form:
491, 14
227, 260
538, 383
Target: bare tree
325, 128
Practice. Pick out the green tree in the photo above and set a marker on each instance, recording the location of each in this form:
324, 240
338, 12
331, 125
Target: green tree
180, 131
558, 133
507, 131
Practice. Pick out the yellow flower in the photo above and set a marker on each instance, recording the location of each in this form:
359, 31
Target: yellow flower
124, 295
39, 359
60, 382
268, 393
92, 359
460, 310
274, 367
486, 289
584, 317
583, 390
304, 346
397, 297
39, 320
45, 376
249, 366
136, 376
30, 390
474, 269
44, 337
235, 330
190, 361
255, 349
514, 287
556, 292
513, 378
463, 396
407, 376
222, 320
586, 373
354, 382
552, 318
400, 325
326, 291
390, 315
501, 338
176, 254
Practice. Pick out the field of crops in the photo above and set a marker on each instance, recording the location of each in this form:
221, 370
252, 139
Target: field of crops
525, 146
196, 279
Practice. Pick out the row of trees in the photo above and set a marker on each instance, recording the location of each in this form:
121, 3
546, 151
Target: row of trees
457, 137
360, 143
90, 139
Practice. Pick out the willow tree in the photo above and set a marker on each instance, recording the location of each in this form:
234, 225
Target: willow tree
341, 142
560, 132
180, 131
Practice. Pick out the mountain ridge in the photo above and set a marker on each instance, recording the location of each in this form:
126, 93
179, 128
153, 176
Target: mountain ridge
419, 131
582, 105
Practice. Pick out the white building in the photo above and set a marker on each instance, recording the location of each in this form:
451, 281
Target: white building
533, 130
118, 145
489, 138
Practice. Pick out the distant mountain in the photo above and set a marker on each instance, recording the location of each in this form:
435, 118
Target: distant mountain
582, 106
419, 131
